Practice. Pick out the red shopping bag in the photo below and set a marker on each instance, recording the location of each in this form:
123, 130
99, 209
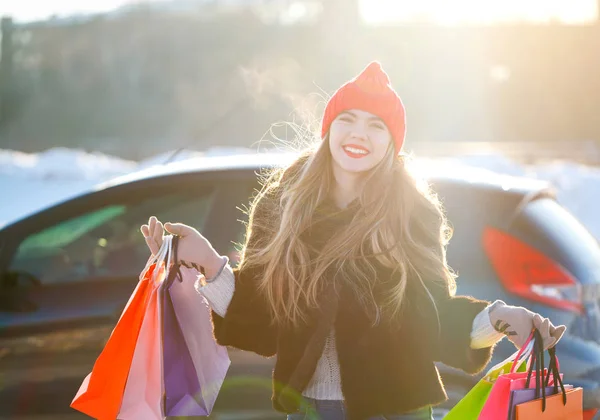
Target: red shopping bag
101, 392
497, 404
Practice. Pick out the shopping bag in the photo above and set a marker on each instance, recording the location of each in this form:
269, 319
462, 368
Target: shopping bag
498, 403
564, 404
553, 377
520, 396
556, 408
194, 365
101, 392
143, 391
470, 406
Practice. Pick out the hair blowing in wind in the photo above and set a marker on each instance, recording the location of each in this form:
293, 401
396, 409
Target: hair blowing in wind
400, 225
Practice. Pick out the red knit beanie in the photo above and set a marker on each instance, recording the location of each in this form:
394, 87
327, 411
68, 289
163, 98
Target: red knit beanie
370, 91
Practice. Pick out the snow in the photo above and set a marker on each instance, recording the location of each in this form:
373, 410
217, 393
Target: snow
30, 182
33, 181
62, 164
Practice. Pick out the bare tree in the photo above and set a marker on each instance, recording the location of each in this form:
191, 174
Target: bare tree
6, 69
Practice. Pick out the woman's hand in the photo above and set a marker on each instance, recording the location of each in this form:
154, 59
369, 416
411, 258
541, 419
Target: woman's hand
193, 248
517, 322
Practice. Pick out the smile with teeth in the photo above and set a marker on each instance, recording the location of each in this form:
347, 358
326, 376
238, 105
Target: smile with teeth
355, 150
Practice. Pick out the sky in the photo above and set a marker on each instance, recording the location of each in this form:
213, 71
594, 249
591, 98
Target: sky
440, 11
26, 10
481, 11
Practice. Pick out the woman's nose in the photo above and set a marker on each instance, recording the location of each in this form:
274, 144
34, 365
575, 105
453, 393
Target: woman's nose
359, 131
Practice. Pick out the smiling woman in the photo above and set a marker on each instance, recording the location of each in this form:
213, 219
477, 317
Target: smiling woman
479, 11
358, 140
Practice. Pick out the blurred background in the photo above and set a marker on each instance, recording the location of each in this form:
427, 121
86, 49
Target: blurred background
94, 89
135, 79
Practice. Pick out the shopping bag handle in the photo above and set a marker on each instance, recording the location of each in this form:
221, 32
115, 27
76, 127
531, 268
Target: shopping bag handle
554, 368
174, 243
524, 352
176, 263
163, 252
160, 255
172, 263
537, 359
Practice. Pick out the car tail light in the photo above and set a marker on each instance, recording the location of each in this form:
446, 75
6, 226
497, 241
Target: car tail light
526, 272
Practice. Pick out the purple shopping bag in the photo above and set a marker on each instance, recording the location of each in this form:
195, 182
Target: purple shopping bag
194, 365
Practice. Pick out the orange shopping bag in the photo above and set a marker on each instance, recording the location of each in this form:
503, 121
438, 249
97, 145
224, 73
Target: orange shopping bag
101, 392
557, 408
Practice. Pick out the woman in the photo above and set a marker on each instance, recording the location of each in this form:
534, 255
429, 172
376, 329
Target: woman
344, 275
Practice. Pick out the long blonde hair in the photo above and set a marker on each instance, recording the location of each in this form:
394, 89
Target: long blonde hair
401, 225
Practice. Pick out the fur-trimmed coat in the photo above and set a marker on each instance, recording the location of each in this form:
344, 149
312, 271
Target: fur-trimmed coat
385, 369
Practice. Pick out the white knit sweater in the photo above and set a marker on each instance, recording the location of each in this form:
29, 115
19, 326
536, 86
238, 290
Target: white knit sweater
325, 383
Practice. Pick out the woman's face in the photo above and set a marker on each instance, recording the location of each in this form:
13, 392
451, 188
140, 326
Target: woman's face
358, 140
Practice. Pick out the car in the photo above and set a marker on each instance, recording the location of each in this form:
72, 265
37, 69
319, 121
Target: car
68, 270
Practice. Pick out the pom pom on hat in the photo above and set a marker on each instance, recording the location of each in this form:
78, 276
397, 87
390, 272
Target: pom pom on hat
372, 92
373, 79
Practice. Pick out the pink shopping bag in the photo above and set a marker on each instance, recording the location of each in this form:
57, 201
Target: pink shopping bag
194, 365
496, 405
143, 391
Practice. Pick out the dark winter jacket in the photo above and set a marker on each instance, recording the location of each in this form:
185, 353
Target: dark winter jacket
385, 369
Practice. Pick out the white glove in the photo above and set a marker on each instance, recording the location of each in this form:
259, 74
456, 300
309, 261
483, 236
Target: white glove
517, 323
192, 249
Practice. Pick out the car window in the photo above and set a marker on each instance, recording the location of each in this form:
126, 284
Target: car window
553, 230
552, 222
105, 242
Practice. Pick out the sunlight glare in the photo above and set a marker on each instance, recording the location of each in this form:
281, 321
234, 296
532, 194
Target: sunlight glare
479, 11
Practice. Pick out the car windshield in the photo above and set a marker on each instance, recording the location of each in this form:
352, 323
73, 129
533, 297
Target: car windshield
105, 242
558, 230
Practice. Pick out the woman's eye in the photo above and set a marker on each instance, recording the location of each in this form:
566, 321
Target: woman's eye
345, 119
378, 126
